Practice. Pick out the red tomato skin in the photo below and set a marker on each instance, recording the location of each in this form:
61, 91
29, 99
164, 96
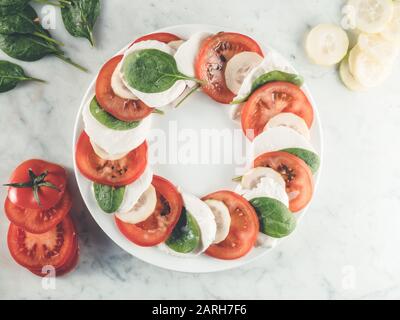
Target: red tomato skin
85, 156
31, 220
23, 197
122, 109
208, 57
136, 234
247, 239
160, 36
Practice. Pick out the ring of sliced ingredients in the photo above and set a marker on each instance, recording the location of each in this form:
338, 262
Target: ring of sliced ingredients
265, 96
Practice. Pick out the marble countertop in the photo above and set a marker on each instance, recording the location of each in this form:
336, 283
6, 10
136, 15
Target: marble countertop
347, 245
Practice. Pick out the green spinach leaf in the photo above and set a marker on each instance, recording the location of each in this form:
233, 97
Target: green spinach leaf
272, 76
79, 17
8, 7
309, 157
152, 71
275, 218
108, 120
11, 74
109, 198
186, 235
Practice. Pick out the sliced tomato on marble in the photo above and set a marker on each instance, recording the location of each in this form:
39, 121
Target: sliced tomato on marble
213, 57
37, 184
52, 248
158, 227
159, 36
244, 227
115, 173
37, 220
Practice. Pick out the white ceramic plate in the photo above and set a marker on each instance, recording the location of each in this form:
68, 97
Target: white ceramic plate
198, 112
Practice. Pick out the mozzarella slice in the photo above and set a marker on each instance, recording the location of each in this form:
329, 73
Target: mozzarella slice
267, 187
204, 218
279, 138
222, 219
104, 155
372, 16
327, 44
134, 191
161, 99
115, 142
382, 49
392, 29
366, 68
252, 178
347, 78
272, 61
176, 44
239, 67
290, 120
142, 209
118, 86
186, 55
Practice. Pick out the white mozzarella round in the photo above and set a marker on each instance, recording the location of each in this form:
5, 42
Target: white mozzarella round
239, 67
104, 155
272, 61
161, 99
327, 44
115, 142
289, 120
222, 219
142, 209
119, 87
252, 178
204, 217
279, 138
267, 187
134, 191
372, 16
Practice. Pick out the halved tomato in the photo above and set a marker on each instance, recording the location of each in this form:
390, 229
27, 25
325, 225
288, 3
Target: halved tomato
120, 108
212, 58
37, 184
36, 220
160, 36
297, 175
34, 251
244, 227
158, 227
270, 100
113, 173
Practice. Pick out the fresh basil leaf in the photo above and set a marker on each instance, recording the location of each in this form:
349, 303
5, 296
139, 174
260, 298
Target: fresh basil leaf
185, 237
9, 7
151, 71
79, 17
272, 76
275, 218
108, 120
12, 74
108, 198
309, 157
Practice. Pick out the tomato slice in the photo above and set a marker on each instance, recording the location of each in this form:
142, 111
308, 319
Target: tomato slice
160, 36
243, 231
212, 58
24, 197
36, 220
120, 108
158, 227
297, 175
113, 173
270, 100
34, 251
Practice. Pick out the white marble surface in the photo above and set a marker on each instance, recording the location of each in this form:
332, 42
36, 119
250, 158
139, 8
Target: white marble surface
346, 247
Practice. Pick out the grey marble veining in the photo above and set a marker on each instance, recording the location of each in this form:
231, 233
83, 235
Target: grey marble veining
347, 245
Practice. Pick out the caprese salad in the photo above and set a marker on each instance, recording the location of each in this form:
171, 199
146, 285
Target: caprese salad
160, 70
